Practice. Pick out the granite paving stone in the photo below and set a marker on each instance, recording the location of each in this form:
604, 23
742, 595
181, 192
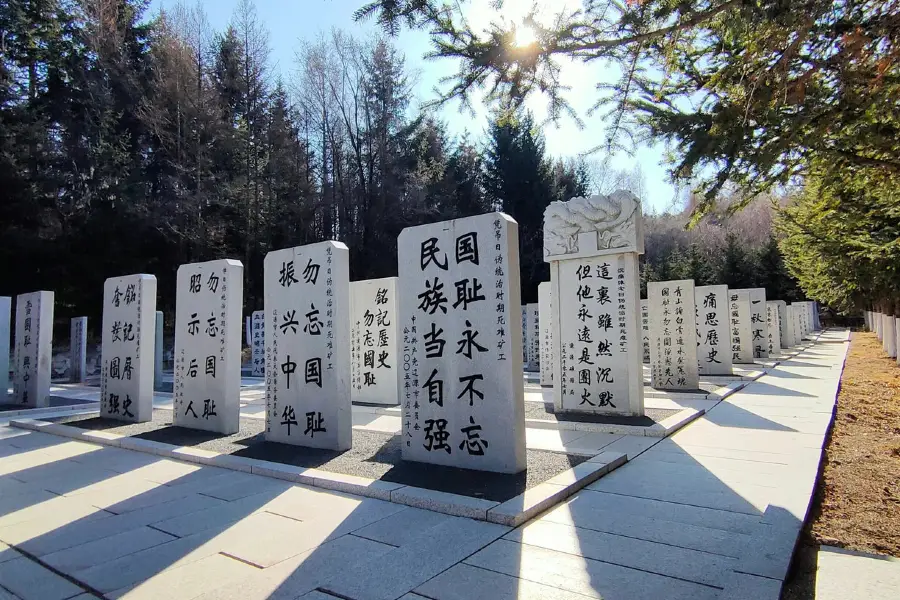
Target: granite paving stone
465, 582
671, 561
188, 581
582, 575
103, 550
402, 527
30, 581
216, 517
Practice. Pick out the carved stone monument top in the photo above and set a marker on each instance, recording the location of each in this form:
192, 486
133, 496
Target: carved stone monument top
593, 226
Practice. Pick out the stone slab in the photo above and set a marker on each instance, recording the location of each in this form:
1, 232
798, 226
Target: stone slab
740, 586
673, 335
374, 336
670, 561
100, 551
30, 581
842, 574
400, 528
34, 352
581, 575
465, 582
713, 330
219, 516
307, 298
401, 570
5, 320
529, 503
299, 574
188, 581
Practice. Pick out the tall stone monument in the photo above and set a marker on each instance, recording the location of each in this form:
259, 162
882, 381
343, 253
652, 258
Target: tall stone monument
545, 307
77, 349
713, 330
307, 297
524, 334
5, 310
373, 341
758, 334
158, 342
128, 346
592, 245
533, 338
773, 330
795, 323
462, 390
673, 335
741, 333
787, 339
645, 330
208, 310
34, 352
258, 343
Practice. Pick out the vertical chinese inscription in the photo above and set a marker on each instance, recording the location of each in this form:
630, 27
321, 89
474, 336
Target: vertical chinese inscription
462, 395
786, 334
77, 349
645, 330
673, 335
373, 341
773, 328
758, 330
545, 307
741, 333
533, 338
307, 296
594, 315
258, 343
128, 344
208, 345
34, 333
714, 351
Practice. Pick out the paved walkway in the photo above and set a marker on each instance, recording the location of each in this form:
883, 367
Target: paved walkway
843, 574
712, 512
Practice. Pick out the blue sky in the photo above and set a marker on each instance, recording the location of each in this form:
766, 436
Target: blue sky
291, 21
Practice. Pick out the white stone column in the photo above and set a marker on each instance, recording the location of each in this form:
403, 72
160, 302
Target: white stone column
592, 245
128, 346
34, 348
890, 336
77, 349
461, 378
758, 330
645, 331
533, 339
545, 308
5, 310
741, 332
713, 331
673, 335
787, 338
248, 330
374, 335
307, 304
158, 342
773, 328
208, 311
796, 326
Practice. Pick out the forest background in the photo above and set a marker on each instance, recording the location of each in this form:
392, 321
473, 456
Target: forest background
136, 142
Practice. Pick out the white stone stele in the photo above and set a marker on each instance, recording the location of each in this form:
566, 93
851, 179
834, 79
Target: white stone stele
795, 323
645, 330
545, 307
592, 245
307, 305
258, 343
673, 335
128, 347
77, 349
374, 335
248, 331
533, 337
741, 334
34, 352
461, 384
208, 313
158, 341
713, 331
524, 334
787, 338
758, 331
773, 328
5, 310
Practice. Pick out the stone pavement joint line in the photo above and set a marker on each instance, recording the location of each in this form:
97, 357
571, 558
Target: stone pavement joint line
712, 512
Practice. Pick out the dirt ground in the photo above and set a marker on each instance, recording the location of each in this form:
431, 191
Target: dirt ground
857, 501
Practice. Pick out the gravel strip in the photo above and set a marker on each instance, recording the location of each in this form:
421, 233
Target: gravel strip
374, 455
